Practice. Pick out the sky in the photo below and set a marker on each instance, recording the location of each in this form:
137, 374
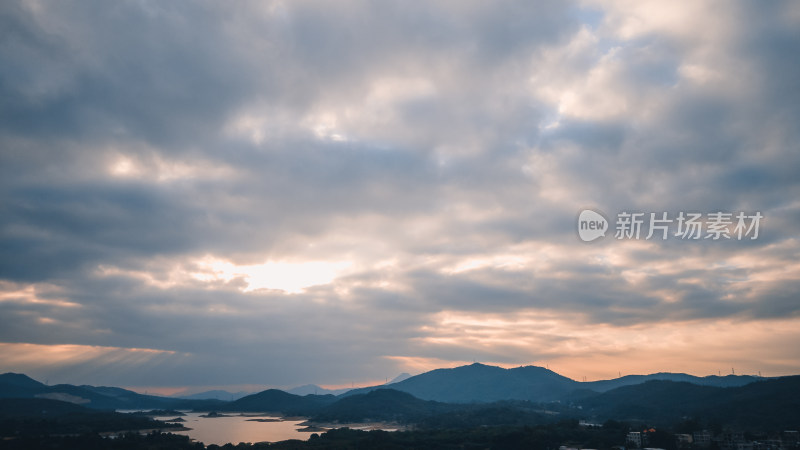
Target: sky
274, 193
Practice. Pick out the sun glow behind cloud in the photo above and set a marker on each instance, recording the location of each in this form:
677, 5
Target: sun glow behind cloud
152, 167
291, 277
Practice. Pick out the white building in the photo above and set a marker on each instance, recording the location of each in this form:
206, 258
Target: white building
635, 439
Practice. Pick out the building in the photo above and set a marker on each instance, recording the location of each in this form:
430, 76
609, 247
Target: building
768, 444
702, 438
734, 440
683, 440
635, 439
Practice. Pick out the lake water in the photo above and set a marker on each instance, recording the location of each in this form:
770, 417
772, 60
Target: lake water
236, 428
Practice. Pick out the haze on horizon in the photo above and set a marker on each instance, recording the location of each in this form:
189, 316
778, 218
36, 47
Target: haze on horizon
201, 194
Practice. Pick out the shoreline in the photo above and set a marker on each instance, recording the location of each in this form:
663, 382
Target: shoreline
320, 427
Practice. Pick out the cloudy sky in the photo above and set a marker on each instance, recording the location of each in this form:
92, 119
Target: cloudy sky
204, 194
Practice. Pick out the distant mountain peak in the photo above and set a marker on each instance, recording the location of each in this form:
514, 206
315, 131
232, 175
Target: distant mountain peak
313, 389
477, 366
479, 382
216, 394
399, 378
19, 379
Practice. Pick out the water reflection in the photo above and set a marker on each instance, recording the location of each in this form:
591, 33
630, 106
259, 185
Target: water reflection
235, 428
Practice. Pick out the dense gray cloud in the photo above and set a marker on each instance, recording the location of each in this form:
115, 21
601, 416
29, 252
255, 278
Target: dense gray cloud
291, 188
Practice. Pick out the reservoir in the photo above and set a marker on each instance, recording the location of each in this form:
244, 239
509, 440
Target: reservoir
235, 428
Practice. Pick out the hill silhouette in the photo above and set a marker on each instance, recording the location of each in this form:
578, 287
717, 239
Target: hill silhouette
216, 394
482, 383
17, 385
38, 416
19, 380
767, 404
381, 405
14, 385
277, 401
712, 380
475, 393
396, 406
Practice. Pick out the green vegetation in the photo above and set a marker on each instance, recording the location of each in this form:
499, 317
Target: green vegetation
34, 418
543, 437
762, 406
127, 441
381, 405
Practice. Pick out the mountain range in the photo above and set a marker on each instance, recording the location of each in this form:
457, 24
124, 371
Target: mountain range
317, 390
484, 383
14, 385
466, 384
479, 393
215, 394
307, 389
